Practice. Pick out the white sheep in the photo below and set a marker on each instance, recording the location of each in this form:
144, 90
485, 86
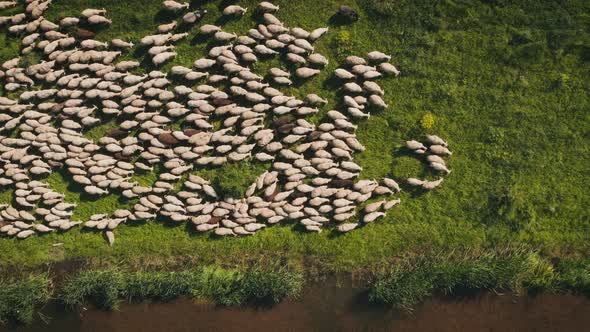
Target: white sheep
91, 12
439, 167
98, 19
388, 68
266, 6
175, 6
317, 33
428, 185
234, 10
377, 56
433, 139
163, 57
304, 72
440, 150
121, 43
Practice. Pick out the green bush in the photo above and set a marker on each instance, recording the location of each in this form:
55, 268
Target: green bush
18, 299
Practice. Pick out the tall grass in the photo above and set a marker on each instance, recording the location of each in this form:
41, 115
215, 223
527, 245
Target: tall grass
19, 299
405, 285
106, 288
103, 288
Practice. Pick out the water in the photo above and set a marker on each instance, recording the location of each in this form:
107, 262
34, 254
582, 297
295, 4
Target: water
331, 307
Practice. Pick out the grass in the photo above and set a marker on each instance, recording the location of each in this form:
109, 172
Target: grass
19, 299
506, 83
105, 288
404, 285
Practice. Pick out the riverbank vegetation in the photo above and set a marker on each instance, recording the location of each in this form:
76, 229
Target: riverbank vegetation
405, 285
259, 286
401, 285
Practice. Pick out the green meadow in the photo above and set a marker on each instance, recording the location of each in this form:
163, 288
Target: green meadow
505, 82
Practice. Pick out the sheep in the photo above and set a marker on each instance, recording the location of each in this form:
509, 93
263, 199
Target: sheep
377, 56
305, 72
266, 6
343, 74
415, 182
91, 12
92, 44
317, 33
439, 167
440, 150
429, 185
435, 159
97, 19
271, 19
174, 6
234, 10
224, 36
415, 145
377, 101
435, 140
317, 59
7, 4
69, 21
163, 57
192, 17
388, 68
209, 29
164, 28
392, 184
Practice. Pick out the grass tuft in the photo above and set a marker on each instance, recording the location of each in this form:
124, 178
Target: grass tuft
19, 299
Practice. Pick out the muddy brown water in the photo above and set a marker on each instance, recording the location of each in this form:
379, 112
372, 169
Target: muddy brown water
332, 307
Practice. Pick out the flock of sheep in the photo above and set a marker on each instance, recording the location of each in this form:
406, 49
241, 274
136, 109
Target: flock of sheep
313, 178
